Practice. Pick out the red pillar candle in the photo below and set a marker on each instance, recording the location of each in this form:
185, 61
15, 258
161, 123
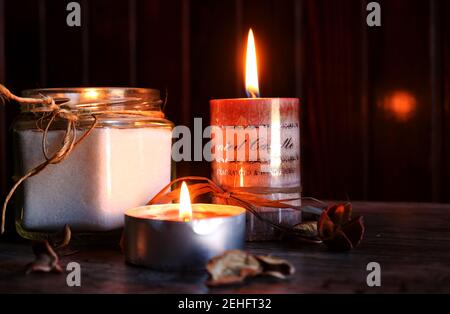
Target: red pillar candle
256, 148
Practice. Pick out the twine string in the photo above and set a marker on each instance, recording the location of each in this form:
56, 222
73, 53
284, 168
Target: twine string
51, 112
69, 140
250, 201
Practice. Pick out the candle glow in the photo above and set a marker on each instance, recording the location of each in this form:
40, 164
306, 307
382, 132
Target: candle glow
263, 135
91, 94
181, 236
251, 68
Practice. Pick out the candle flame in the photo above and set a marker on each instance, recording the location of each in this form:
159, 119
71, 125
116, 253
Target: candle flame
251, 68
185, 211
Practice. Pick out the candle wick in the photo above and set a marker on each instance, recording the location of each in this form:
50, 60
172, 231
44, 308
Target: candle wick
251, 94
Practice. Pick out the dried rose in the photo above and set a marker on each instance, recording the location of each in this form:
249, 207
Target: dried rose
234, 266
338, 230
46, 258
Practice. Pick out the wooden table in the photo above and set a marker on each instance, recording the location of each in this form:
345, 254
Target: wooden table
411, 242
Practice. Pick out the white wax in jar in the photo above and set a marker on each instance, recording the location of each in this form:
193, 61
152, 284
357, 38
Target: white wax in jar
108, 172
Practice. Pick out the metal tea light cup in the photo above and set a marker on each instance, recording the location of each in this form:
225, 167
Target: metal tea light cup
181, 246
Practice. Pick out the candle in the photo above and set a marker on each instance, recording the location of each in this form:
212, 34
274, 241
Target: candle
256, 148
181, 236
124, 161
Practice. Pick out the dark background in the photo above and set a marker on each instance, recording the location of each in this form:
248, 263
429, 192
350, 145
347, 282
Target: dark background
375, 101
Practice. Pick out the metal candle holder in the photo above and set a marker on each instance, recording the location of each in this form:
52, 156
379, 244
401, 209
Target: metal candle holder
177, 245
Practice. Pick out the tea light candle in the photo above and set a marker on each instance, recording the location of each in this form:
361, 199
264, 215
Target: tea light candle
256, 148
181, 236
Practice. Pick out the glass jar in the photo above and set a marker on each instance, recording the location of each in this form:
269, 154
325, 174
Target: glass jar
122, 163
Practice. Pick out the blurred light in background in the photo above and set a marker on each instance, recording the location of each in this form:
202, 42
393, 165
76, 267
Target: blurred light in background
400, 104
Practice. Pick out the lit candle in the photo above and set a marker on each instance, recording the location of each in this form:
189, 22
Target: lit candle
256, 148
182, 236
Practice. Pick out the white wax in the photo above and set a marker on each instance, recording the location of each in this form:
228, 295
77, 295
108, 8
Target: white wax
110, 171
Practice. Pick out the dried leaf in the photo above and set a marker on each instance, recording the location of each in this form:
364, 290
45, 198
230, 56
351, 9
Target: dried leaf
58, 239
235, 266
232, 267
354, 230
275, 267
62, 239
338, 230
307, 229
46, 258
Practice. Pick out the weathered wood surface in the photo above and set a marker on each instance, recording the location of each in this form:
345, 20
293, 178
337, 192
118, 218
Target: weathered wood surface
410, 241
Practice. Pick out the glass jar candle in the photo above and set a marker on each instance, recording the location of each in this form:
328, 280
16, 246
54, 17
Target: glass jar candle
122, 163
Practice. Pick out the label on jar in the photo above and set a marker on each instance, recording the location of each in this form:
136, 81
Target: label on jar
263, 155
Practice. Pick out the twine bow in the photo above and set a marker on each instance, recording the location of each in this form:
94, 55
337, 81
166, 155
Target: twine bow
51, 111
